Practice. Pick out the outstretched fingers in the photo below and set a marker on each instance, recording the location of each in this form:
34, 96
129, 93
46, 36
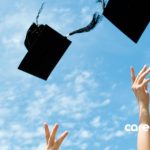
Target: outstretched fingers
143, 75
145, 82
133, 77
141, 72
140, 78
61, 139
139, 81
52, 136
52, 143
47, 132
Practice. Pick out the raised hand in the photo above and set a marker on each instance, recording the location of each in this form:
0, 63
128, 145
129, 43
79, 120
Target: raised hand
139, 86
51, 142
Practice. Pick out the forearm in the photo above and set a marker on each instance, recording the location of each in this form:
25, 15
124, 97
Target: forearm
144, 117
144, 136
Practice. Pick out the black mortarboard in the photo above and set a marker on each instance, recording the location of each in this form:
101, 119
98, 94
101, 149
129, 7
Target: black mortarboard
45, 48
130, 16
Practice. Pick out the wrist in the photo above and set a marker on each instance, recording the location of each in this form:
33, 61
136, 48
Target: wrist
144, 115
144, 109
143, 106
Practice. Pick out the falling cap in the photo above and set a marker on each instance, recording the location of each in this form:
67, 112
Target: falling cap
130, 16
45, 48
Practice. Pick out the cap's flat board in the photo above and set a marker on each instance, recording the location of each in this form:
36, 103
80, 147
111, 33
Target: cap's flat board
130, 16
45, 53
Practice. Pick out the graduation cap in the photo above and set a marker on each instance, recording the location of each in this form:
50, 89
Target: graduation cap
46, 47
130, 16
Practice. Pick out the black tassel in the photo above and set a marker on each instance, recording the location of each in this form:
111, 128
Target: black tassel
90, 26
39, 12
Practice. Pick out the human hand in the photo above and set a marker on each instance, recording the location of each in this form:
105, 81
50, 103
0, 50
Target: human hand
52, 143
139, 86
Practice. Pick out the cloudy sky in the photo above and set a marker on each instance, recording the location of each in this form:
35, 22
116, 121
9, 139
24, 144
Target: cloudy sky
88, 93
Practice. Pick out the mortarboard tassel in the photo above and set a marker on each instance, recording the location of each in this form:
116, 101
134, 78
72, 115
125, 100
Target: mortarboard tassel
90, 26
39, 12
95, 20
34, 31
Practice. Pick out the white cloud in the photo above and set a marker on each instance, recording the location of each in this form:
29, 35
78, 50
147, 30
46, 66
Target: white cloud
107, 148
86, 14
96, 122
105, 103
84, 146
123, 108
85, 78
112, 135
118, 119
14, 41
119, 133
85, 134
69, 125
39, 147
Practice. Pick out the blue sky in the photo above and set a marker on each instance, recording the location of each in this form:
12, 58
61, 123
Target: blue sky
89, 91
